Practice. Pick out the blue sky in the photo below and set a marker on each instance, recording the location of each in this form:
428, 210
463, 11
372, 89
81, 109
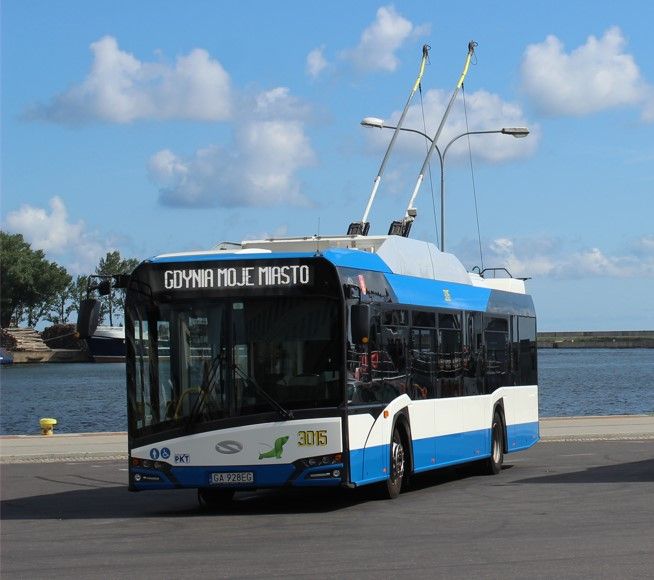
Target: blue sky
161, 126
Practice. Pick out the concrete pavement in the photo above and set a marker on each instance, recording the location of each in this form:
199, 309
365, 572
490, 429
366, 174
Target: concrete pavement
98, 446
63, 447
609, 428
569, 510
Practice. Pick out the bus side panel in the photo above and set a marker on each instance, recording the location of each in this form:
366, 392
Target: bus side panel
370, 463
521, 415
358, 430
449, 439
447, 432
422, 414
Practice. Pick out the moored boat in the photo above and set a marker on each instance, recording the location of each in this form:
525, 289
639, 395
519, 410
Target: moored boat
107, 344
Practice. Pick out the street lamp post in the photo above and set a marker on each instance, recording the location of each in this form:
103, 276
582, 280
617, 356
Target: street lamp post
516, 132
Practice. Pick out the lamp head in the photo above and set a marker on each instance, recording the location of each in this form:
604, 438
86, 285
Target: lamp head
373, 122
517, 132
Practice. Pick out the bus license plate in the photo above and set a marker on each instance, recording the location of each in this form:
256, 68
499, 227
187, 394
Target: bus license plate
232, 477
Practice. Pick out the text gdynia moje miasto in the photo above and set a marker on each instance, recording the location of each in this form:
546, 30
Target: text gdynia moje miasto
252, 276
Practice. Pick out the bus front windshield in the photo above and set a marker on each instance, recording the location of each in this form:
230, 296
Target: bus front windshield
205, 361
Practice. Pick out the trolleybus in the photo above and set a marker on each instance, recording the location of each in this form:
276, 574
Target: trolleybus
341, 361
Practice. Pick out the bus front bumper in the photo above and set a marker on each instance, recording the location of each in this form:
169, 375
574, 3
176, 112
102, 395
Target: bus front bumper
244, 477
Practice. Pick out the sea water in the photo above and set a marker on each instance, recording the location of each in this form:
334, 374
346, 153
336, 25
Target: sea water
91, 397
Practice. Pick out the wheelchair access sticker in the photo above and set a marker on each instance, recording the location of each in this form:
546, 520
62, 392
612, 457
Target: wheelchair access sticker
164, 453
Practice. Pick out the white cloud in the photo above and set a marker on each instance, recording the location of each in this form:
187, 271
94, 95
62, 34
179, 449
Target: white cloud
644, 246
486, 111
595, 76
277, 103
380, 41
122, 89
316, 62
258, 169
562, 259
58, 237
50, 232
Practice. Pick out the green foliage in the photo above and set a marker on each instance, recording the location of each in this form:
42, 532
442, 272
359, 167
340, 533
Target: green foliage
30, 283
34, 288
114, 304
67, 302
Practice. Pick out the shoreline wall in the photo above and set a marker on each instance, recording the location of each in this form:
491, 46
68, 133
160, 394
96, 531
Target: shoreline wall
597, 339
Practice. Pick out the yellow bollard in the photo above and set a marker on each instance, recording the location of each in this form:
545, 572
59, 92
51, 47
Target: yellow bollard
47, 425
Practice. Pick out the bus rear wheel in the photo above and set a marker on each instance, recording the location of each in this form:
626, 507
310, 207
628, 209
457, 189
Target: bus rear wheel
215, 498
393, 485
493, 465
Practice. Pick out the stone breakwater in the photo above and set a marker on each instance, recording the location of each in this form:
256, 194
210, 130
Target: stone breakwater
597, 339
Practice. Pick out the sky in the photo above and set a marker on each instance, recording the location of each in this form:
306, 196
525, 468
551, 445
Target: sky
161, 126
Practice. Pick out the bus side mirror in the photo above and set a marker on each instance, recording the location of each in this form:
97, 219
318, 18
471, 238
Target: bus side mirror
360, 322
88, 317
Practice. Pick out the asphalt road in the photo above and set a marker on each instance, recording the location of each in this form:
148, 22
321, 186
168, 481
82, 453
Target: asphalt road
559, 510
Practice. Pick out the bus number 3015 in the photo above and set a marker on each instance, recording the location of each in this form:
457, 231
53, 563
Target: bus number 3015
312, 438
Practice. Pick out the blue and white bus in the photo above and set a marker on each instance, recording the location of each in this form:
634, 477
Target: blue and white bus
323, 361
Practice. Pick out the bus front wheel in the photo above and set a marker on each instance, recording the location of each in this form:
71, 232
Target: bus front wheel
393, 484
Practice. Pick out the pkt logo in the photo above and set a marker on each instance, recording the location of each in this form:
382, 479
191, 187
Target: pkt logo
182, 458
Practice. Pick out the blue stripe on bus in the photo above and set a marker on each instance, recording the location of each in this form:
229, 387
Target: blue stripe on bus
356, 259
371, 464
522, 436
435, 293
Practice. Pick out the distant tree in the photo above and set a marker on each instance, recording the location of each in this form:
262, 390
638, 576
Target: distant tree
77, 292
29, 281
65, 303
111, 264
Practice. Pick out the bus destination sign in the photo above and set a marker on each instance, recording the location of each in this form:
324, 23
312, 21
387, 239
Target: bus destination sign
237, 277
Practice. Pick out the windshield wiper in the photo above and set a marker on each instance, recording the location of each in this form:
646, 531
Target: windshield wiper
285, 413
206, 387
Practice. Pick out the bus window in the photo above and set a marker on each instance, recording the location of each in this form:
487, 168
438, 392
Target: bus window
143, 404
527, 350
450, 355
423, 319
395, 318
423, 357
391, 372
473, 383
496, 338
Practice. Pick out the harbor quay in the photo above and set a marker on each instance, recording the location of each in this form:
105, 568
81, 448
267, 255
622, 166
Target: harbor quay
107, 446
597, 339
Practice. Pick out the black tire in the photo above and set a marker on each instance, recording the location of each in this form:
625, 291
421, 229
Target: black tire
393, 485
493, 465
215, 498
